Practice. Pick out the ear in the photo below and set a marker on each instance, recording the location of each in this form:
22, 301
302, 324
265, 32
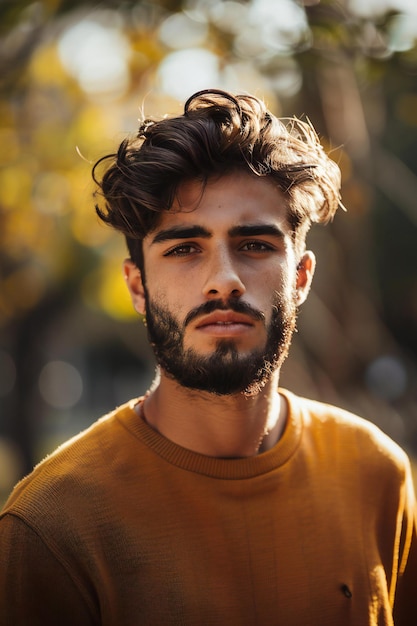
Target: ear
133, 278
305, 273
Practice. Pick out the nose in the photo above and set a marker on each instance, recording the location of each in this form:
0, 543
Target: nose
223, 280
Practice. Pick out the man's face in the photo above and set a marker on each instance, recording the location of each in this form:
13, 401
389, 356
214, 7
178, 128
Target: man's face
222, 285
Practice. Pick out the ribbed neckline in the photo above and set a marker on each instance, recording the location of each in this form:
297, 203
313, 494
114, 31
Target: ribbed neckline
226, 469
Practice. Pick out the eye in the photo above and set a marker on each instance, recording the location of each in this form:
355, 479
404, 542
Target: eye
256, 246
181, 250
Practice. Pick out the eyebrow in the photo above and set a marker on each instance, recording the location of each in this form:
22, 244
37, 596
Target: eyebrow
243, 230
181, 232
254, 230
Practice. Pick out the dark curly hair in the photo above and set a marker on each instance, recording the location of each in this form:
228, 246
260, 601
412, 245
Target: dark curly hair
217, 134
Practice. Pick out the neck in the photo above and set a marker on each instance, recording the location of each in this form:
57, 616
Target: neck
232, 426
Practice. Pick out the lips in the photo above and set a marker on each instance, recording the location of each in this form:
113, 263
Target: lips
224, 318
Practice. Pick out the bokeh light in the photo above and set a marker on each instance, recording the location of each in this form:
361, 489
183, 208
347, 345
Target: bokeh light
183, 72
180, 30
386, 376
97, 55
60, 384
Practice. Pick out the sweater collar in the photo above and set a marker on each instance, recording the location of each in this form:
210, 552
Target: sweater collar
226, 469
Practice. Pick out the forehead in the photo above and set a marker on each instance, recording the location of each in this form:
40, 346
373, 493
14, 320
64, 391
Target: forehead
237, 198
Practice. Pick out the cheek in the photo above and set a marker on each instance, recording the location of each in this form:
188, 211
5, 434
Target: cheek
171, 299
283, 296
288, 281
280, 283
172, 286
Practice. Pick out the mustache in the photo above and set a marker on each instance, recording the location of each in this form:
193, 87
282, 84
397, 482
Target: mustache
238, 306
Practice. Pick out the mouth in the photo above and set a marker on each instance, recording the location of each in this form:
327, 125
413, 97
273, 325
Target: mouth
225, 323
224, 318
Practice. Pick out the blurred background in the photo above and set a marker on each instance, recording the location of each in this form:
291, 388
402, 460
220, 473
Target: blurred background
74, 79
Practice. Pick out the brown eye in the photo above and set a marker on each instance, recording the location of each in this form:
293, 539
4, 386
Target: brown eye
256, 246
183, 249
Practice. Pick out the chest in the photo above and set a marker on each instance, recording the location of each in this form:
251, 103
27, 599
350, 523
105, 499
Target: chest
273, 551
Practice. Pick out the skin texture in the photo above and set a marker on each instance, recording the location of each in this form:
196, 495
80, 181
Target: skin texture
201, 251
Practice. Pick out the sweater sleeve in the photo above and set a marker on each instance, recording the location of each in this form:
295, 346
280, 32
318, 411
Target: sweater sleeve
405, 604
34, 587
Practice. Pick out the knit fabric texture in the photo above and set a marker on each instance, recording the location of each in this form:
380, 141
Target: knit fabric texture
122, 527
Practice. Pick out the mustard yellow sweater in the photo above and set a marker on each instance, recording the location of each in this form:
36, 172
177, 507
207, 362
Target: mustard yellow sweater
122, 527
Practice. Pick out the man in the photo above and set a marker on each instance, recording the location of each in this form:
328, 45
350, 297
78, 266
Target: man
217, 498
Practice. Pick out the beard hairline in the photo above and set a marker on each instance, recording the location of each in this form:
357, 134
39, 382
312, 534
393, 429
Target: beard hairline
282, 316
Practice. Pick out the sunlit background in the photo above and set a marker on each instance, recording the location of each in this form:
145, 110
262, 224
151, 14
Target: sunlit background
74, 79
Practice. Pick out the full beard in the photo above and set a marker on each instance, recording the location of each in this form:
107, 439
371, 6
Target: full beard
225, 371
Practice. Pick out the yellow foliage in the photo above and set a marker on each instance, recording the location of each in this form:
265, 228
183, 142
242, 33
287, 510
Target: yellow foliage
51, 193
45, 67
105, 289
15, 185
7, 116
26, 233
86, 228
94, 126
84, 223
51, 142
147, 45
9, 146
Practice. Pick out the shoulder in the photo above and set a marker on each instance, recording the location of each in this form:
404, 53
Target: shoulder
75, 470
343, 435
